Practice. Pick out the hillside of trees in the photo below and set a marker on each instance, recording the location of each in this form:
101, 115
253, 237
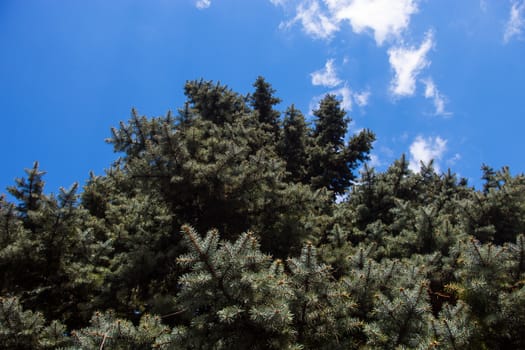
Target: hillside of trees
231, 225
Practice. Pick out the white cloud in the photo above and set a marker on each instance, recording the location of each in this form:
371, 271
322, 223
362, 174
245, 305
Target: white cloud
385, 18
516, 22
326, 76
203, 4
425, 150
407, 64
347, 97
454, 159
430, 88
314, 20
345, 94
361, 98
433, 93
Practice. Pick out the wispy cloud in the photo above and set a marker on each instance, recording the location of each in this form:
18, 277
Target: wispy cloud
431, 92
343, 93
315, 21
385, 18
203, 4
516, 23
326, 76
407, 63
361, 98
426, 149
453, 160
346, 97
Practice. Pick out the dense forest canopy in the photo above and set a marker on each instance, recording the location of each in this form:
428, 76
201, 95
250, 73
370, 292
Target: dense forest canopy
231, 225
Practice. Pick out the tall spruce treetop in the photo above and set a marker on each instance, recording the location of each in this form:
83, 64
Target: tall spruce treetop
262, 101
332, 162
29, 191
214, 102
293, 147
222, 173
331, 122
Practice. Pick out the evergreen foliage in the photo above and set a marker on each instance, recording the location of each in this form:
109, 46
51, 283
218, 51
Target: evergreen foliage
108, 332
322, 307
262, 102
331, 159
300, 251
294, 145
21, 329
236, 297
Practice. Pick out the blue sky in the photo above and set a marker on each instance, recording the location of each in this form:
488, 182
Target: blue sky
438, 79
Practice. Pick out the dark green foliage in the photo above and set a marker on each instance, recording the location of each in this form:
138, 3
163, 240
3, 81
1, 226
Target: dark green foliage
235, 296
43, 239
294, 145
108, 332
322, 307
262, 102
21, 329
29, 192
490, 280
401, 320
453, 329
301, 253
214, 102
496, 214
332, 160
212, 177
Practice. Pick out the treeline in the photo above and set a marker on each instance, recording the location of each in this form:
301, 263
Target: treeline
230, 226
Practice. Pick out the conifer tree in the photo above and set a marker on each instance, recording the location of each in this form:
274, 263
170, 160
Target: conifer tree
486, 282
511, 320
332, 161
498, 213
336, 250
106, 331
262, 102
406, 260
137, 242
29, 193
210, 175
366, 277
322, 308
15, 248
401, 320
236, 296
490, 178
214, 102
24, 329
58, 262
452, 329
36, 257
294, 145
